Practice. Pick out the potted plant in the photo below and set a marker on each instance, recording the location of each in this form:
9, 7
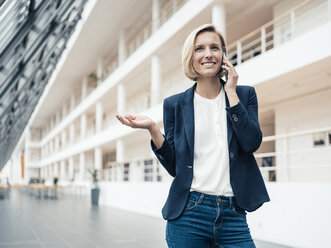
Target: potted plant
95, 191
55, 181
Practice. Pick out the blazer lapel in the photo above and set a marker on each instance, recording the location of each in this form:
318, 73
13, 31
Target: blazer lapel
186, 104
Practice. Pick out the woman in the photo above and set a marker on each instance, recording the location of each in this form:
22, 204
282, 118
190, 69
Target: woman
211, 132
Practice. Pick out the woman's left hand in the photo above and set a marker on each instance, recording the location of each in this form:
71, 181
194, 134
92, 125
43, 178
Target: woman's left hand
231, 84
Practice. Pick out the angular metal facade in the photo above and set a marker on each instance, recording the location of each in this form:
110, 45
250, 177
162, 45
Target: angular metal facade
33, 35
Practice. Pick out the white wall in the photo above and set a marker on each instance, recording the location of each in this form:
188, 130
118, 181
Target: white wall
298, 214
305, 113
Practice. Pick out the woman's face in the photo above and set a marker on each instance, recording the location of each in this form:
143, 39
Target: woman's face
207, 57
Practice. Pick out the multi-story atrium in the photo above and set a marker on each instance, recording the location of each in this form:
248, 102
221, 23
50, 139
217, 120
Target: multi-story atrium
68, 67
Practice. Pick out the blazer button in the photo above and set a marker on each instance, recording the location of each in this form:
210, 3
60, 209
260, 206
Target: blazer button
231, 155
189, 166
234, 117
161, 157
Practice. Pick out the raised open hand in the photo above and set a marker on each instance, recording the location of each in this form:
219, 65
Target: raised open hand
139, 121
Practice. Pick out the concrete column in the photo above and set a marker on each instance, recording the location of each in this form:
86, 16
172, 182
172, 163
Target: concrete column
99, 71
72, 102
98, 116
219, 18
57, 143
98, 158
71, 168
63, 170
120, 99
122, 47
119, 159
72, 133
56, 170
50, 171
82, 166
63, 138
84, 88
155, 80
83, 123
155, 15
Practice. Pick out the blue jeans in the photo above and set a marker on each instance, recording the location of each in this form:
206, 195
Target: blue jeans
209, 221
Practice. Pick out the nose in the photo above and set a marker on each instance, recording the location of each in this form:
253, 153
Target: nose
208, 53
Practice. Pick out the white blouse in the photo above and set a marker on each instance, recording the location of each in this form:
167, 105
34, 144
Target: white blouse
211, 173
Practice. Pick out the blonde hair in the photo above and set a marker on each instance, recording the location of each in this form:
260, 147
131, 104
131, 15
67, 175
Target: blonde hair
188, 50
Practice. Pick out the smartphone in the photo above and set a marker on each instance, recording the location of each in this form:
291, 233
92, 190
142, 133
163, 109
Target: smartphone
225, 71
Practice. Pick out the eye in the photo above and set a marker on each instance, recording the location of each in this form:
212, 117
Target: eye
198, 49
215, 48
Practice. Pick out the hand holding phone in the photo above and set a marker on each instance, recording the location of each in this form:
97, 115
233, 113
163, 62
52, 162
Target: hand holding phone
225, 71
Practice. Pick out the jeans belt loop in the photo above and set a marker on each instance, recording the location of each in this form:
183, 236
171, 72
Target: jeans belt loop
201, 198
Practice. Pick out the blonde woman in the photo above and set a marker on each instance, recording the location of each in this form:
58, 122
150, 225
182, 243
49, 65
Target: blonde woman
211, 132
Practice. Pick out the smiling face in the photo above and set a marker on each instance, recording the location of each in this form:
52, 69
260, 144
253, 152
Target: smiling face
207, 57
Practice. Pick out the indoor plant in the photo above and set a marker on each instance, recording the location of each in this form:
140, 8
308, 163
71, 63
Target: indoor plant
95, 190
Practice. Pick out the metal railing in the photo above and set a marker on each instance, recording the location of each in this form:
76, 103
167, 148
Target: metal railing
279, 30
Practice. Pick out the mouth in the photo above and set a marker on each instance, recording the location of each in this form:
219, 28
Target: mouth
208, 63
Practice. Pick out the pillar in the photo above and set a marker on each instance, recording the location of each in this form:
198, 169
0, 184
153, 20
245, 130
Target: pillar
155, 80
98, 158
56, 170
63, 138
98, 116
219, 18
83, 123
120, 99
63, 170
82, 166
72, 133
71, 168
155, 15
119, 159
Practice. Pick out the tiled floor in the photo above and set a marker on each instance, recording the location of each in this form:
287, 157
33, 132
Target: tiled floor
28, 222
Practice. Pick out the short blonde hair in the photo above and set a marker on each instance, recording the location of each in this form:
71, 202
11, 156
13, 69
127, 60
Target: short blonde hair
188, 50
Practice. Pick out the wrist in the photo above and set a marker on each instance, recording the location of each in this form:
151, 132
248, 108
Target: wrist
231, 91
153, 128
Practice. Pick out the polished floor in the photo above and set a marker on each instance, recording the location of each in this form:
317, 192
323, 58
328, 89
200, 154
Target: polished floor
30, 222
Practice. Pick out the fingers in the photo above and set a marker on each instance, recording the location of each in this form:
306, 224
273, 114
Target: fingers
126, 120
122, 120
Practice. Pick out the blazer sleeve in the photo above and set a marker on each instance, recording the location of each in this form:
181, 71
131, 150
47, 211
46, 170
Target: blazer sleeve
166, 153
245, 123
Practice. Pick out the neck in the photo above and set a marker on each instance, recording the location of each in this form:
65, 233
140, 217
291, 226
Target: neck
208, 87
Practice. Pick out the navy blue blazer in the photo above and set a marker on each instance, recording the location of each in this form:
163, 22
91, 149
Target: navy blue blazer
244, 138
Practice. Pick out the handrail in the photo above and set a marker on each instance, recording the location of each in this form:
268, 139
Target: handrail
266, 25
269, 35
295, 134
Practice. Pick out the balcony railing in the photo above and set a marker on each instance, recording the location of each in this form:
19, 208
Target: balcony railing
278, 31
278, 165
167, 11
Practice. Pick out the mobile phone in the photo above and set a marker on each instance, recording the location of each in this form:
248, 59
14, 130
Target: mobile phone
225, 71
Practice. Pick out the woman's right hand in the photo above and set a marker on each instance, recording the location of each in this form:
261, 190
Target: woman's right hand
138, 121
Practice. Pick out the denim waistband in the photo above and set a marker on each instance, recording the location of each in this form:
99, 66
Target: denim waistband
200, 197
